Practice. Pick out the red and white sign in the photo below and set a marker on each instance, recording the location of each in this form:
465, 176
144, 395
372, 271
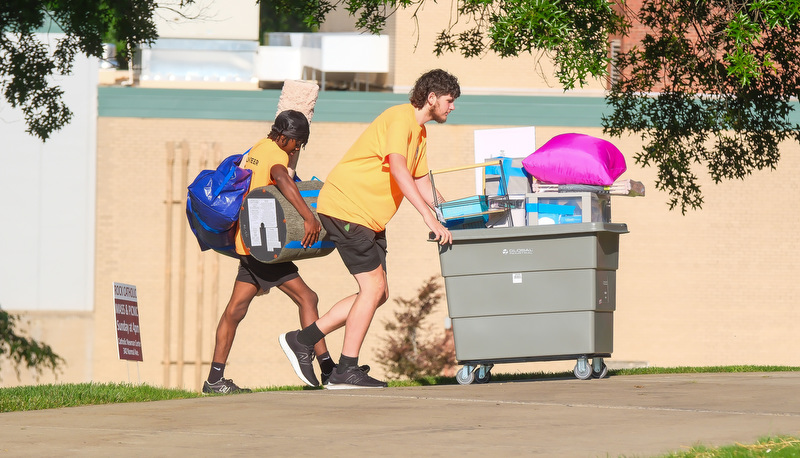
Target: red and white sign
126, 310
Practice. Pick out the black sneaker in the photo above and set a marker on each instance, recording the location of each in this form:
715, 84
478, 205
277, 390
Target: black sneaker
301, 356
326, 375
223, 386
353, 377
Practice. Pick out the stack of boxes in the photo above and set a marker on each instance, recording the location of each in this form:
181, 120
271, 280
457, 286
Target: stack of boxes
518, 201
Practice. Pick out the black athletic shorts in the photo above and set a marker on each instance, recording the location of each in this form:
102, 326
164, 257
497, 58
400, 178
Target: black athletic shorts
265, 276
361, 248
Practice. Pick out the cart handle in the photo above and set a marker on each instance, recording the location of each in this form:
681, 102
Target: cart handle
465, 167
497, 162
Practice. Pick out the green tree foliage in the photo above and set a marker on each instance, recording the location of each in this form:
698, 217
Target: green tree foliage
711, 83
27, 63
274, 19
411, 350
573, 33
24, 351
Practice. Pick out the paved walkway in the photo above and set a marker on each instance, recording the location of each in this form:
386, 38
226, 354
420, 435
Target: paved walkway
618, 416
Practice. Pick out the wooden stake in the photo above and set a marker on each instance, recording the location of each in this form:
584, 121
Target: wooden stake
168, 263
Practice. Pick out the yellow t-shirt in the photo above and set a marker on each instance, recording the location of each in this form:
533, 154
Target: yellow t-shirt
360, 188
262, 156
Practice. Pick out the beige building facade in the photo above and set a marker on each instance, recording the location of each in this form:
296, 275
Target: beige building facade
716, 286
713, 287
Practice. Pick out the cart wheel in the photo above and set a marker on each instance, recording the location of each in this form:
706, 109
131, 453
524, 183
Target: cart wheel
602, 373
484, 374
583, 370
599, 368
465, 375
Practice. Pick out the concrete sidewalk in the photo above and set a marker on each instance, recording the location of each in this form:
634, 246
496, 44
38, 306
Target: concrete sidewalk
625, 415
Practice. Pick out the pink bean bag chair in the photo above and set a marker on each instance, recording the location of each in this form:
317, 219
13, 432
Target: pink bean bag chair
576, 159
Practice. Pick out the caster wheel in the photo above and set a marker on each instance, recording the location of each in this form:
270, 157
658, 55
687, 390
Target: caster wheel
583, 371
484, 375
602, 373
465, 375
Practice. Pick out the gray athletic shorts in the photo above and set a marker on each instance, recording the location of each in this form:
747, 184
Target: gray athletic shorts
265, 276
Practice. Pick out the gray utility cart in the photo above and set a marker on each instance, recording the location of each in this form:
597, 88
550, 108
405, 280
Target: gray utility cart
532, 293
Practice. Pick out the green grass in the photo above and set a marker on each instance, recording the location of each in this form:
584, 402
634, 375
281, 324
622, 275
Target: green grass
779, 446
55, 396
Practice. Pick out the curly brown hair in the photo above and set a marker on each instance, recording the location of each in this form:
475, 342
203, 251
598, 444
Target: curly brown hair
437, 81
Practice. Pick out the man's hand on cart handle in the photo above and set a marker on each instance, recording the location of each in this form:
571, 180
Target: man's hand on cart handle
440, 234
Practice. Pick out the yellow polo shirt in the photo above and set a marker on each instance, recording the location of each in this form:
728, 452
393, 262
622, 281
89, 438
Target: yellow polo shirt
360, 188
262, 156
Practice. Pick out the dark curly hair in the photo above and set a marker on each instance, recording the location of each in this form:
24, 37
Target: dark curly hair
437, 81
291, 124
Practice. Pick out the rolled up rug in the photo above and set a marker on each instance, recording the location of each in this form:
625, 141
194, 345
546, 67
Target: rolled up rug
272, 229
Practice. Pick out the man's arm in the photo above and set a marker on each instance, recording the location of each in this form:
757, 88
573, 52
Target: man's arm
408, 186
426, 190
289, 190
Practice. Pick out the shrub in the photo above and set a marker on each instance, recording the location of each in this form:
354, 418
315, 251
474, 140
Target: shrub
25, 351
412, 349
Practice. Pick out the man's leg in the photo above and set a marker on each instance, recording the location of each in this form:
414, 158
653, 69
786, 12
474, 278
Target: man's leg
373, 292
303, 360
307, 300
241, 297
364, 253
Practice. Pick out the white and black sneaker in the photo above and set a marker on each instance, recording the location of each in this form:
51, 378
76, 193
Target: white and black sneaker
301, 356
353, 377
223, 386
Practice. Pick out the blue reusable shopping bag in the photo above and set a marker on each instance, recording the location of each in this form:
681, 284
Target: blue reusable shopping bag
213, 203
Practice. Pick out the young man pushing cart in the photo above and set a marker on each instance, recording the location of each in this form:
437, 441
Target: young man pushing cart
387, 163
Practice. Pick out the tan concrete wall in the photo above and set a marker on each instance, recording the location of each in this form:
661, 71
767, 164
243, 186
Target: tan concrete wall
712, 287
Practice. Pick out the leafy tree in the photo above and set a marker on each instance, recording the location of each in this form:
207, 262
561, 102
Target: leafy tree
408, 353
273, 19
711, 82
21, 350
27, 64
725, 73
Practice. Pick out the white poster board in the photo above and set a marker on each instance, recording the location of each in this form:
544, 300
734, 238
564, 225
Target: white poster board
514, 142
